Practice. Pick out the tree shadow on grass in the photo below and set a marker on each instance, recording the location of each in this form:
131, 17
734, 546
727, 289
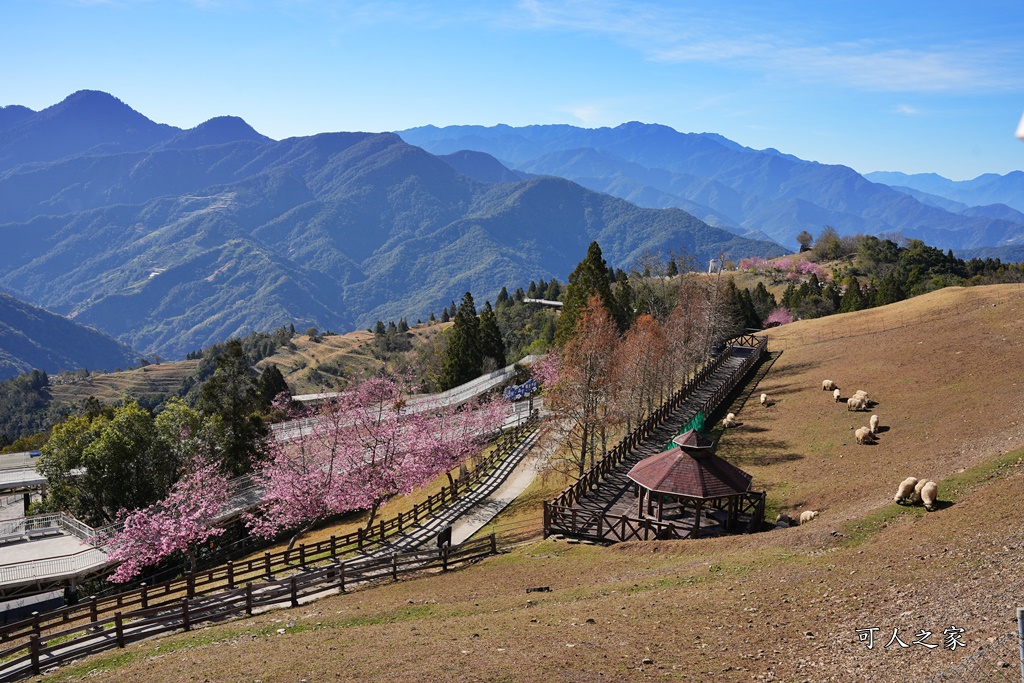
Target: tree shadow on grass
758, 450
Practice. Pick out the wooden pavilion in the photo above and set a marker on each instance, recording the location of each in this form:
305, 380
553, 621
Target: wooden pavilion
688, 483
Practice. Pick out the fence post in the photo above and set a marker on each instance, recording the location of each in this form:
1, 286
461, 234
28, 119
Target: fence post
444, 558
191, 585
36, 628
341, 576
248, 598
1020, 639
302, 555
359, 536
394, 566
295, 591
494, 544
185, 622
231, 575
399, 522
94, 612
33, 648
119, 628
266, 565
334, 546
144, 595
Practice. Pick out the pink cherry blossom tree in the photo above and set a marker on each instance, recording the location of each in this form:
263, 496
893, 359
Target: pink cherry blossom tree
181, 522
779, 316
359, 449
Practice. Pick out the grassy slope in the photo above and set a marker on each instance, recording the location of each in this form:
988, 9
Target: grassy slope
784, 605
150, 380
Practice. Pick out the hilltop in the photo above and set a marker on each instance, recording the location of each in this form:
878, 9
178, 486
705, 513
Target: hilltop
781, 605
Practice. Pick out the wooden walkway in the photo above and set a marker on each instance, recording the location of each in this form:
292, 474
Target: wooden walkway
602, 505
616, 495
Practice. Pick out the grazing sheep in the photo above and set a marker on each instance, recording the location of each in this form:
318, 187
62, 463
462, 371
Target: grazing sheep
915, 497
828, 385
784, 520
864, 436
905, 490
835, 395
729, 421
873, 424
856, 403
807, 515
929, 493
764, 399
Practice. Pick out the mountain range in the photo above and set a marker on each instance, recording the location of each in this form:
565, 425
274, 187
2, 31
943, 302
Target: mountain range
33, 338
748, 191
172, 239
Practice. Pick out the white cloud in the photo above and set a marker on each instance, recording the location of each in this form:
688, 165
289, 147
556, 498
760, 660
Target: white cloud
681, 34
906, 110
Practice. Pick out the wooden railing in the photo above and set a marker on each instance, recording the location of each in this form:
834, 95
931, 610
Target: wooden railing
233, 574
76, 638
575, 491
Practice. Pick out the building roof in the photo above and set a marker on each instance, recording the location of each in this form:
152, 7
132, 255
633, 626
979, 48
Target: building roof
690, 470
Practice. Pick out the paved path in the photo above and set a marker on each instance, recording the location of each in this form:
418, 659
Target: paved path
471, 512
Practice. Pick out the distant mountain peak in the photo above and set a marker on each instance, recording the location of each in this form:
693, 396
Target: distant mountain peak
219, 130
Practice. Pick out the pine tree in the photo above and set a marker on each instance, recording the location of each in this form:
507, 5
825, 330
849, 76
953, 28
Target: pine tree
502, 299
853, 299
491, 344
590, 277
444, 315
379, 328
462, 358
403, 326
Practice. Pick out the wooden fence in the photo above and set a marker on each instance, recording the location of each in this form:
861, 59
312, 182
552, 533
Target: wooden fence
81, 637
561, 510
233, 574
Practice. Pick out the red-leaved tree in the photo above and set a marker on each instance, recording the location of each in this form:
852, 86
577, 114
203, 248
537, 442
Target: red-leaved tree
181, 522
360, 448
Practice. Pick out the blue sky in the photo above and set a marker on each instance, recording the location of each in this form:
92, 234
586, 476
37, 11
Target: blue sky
903, 86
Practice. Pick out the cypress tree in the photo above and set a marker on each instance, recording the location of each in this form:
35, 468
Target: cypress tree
444, 315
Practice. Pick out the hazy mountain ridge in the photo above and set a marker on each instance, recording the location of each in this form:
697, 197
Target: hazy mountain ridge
765, 190
175, 247
34, 338
986, 189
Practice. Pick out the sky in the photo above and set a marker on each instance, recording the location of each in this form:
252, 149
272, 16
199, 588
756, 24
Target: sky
878, 86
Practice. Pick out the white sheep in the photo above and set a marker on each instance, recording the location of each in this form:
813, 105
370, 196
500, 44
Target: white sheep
905, 490
836, 395
828, 385
784, 520
873, 424
856, 403
729, 421
929, 493
764, 399
860, 393
807, 515
915, 497
864, 436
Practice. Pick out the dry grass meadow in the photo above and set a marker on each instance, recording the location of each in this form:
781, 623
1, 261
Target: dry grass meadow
947, 374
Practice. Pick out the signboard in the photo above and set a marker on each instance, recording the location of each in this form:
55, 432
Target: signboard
521, 391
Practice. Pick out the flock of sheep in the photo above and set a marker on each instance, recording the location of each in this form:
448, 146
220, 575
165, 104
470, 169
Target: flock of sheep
911, 490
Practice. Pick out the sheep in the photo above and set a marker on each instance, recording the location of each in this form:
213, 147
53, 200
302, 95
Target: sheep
856, 403
836, 395
807, 515
860, 393
784, 520
873, 424
729, 421
864, 436
906, 490
764, 399
828, 385
929, 493
915, 497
